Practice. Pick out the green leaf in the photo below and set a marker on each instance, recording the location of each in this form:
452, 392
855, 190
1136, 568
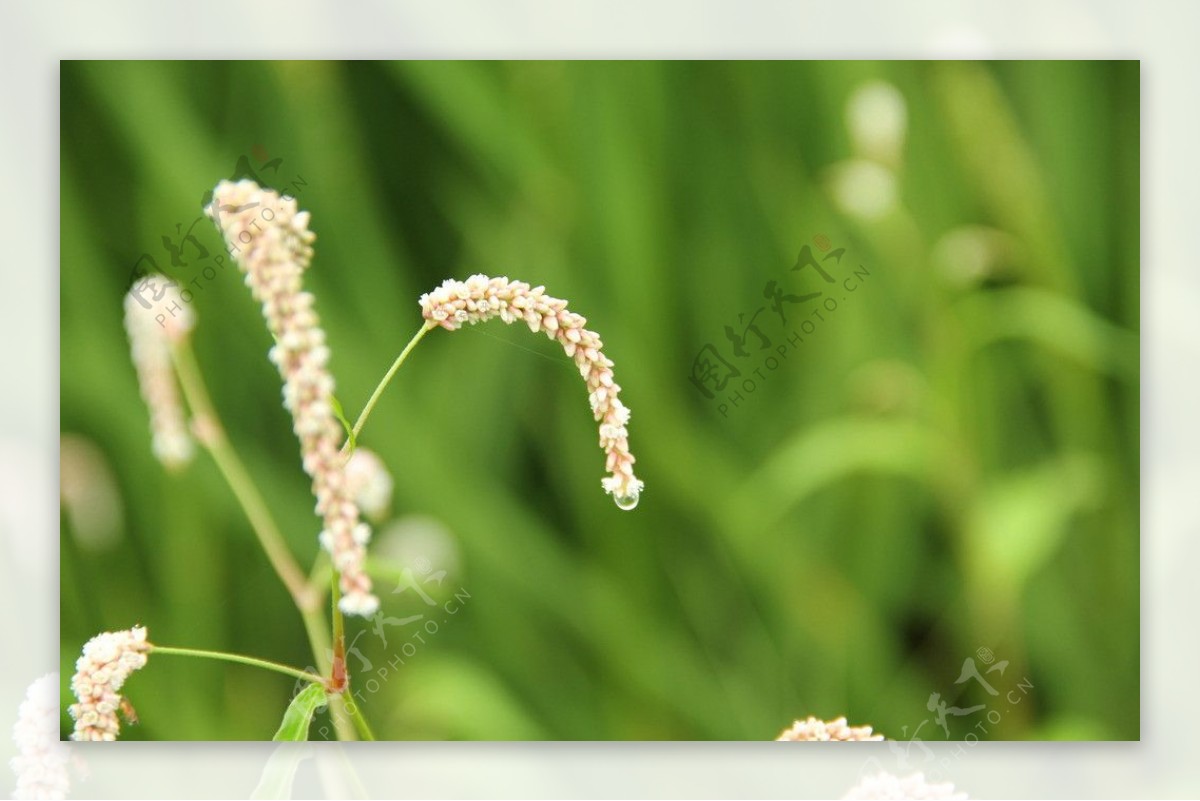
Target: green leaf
337, 411
299, 714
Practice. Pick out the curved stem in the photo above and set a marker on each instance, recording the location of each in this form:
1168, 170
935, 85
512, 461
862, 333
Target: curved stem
387, 379
245, 660
210, 434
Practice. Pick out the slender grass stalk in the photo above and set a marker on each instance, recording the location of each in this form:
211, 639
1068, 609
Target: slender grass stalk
318, 576
262, 523
387, 379
318, 638
244, 660
212, 436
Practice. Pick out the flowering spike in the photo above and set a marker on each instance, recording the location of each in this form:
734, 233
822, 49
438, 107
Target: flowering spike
107, 661
481, 298
836, 729
153, 323
272, 245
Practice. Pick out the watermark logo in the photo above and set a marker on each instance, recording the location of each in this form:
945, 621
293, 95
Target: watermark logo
755, 354
190, 266
1005, 693
416, 631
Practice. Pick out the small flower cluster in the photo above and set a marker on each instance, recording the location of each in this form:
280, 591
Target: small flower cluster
481, 298
41, 760
815, 729
107, 661
150, 338
271, 243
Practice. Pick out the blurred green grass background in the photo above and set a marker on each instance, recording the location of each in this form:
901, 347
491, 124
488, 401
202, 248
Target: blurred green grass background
948, 463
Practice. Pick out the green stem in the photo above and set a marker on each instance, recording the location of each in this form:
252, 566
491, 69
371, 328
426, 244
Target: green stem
318, 575
338, 679
212, 436
318, 637
387, 379
339, 622
245, 660
244, 489
360, 722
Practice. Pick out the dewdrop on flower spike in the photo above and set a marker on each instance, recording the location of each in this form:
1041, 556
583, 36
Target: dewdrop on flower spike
628, 500
480, 298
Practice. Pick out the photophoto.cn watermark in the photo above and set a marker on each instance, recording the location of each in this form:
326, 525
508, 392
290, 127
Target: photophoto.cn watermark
728, 375
401, 646
190, 266
1006, 693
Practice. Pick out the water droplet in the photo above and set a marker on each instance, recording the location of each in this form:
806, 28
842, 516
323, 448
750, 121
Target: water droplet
627, 502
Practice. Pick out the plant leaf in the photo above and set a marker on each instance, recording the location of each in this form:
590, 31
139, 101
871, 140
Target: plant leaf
337, 411
299, 714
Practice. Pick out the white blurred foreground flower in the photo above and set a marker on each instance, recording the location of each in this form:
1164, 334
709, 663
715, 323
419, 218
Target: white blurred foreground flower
88, 492
971, 254
370, 483
481, 298
863, 189
272, 245
107, 661
815, 729
887, 786
877, 119
154, 317
41, 760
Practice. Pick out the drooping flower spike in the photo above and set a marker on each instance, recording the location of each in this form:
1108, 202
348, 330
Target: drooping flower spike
270, 241
481, 298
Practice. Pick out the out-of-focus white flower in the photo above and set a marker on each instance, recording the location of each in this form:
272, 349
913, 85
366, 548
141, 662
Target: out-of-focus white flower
887, 786
481, 298
863, 189
970, 254
107, 661
370, 483
877, 119
272, 245
155, 316
160, 304
89, 493
816, 729
420, 543
41, 760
